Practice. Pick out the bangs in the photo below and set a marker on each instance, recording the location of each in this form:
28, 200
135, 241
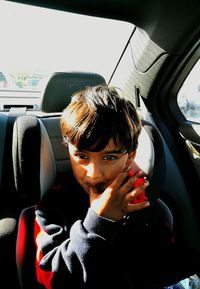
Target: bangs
98, 134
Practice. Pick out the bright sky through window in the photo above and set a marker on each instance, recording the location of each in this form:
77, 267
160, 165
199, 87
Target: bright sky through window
35, 38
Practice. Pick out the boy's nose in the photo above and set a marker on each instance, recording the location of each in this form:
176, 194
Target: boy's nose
94, 171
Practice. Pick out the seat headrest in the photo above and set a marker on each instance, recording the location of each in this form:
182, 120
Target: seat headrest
61, 86
33, 159
145, 156
151, 158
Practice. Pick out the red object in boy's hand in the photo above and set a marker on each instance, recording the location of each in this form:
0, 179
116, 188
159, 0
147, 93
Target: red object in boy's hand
142, 196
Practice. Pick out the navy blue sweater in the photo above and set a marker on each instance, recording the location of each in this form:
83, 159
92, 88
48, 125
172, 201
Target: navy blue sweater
77, 249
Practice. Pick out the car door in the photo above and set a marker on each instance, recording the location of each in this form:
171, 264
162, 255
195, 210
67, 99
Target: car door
177, 114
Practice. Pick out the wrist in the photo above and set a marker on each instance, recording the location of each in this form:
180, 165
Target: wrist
108, 214
100, 225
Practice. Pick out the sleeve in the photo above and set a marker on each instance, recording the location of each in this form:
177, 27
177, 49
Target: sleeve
78, 257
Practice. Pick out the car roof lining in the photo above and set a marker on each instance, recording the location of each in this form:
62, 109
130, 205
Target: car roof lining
167, 25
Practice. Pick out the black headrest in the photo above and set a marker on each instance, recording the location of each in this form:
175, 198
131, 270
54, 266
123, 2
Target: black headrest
62, 85
33, 159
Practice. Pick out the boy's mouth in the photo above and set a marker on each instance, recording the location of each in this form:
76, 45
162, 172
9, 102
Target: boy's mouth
100, 188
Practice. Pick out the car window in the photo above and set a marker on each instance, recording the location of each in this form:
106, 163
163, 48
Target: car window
58, 41
189, 95
3, 82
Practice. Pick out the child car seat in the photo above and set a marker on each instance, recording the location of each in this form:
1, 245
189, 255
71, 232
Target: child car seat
40, 161
35, 175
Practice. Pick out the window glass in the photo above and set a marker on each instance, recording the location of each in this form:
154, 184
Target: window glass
36, 42
189, 95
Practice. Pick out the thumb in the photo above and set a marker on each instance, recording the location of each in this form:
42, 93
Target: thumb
93, 190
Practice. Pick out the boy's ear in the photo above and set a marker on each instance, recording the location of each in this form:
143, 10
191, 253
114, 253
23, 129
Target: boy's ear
131, 157
134, 167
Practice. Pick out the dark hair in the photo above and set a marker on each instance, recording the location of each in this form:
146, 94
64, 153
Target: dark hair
97, 114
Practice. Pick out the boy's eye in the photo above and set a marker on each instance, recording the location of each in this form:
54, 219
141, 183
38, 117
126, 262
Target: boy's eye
82, 156
110, 157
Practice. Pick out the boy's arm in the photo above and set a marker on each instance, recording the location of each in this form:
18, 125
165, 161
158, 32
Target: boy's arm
74, 257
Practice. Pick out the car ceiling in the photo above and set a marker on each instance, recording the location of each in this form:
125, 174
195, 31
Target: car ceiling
171, 24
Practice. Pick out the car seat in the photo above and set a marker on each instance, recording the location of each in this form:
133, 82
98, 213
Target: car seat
10, 205
36, 175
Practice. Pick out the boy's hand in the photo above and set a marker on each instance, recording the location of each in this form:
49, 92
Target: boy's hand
117, 199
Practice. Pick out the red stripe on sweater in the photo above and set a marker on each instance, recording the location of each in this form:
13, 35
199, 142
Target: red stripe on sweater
43, 277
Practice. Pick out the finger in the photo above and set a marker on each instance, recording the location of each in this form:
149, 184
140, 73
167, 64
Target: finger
118, 181
93, 190
136, 207
136, 192
136, 173
139, 176
131, 181
128, 185
93, 193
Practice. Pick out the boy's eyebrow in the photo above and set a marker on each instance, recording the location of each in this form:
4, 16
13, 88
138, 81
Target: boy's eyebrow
117, 151
113, 152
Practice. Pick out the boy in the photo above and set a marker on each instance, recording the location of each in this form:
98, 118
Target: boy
107, 240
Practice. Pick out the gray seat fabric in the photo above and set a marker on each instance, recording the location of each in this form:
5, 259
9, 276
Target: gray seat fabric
33, 159
9, 206
34, 174
62, 85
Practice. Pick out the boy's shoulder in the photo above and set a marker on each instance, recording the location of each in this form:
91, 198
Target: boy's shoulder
155, 219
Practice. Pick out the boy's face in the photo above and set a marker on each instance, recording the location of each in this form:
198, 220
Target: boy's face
98, 169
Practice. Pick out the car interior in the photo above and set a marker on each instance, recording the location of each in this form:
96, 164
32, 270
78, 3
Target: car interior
162, 50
